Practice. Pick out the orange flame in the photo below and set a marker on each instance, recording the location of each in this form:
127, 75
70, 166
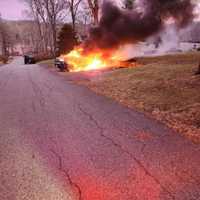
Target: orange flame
78, 60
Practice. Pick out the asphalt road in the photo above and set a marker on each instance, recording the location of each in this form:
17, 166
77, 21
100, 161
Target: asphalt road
60, 141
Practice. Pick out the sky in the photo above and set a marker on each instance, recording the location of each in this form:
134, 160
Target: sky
12, 9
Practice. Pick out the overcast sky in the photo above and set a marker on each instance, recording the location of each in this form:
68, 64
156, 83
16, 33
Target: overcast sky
11, 9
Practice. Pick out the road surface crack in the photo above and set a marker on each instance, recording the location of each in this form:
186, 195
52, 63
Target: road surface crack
67, 175
3, 84
101, 132
37, 92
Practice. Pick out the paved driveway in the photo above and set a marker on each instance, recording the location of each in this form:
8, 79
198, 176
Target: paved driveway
61, 141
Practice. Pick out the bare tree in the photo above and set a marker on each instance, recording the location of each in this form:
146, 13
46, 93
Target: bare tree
84, 19
41, 21
5, 38
37, 13
73, 6
54, 10
94, 7
2, 39
47, 14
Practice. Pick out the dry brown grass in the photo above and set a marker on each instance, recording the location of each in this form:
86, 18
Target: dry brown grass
164, 87
49, 63
3, 59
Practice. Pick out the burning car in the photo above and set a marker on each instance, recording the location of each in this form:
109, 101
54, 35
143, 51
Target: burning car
78, 60
61, 64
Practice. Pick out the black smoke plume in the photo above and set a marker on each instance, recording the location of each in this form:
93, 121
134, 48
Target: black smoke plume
119, 26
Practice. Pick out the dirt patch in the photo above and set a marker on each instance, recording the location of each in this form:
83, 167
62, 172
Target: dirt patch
143, 136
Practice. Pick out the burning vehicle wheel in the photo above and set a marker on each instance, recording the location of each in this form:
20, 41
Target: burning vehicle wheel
61, 65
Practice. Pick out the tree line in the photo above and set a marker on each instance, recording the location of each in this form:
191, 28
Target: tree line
43, 29
52, 22
6, 39
50, 15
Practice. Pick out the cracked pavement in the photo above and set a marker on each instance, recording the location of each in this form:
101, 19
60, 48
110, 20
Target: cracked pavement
60, 141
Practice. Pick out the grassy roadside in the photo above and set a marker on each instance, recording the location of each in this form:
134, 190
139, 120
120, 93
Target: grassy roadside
48, 63
3, 60
164, 87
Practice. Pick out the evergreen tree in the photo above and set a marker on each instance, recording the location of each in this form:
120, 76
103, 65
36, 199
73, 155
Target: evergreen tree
66, 39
